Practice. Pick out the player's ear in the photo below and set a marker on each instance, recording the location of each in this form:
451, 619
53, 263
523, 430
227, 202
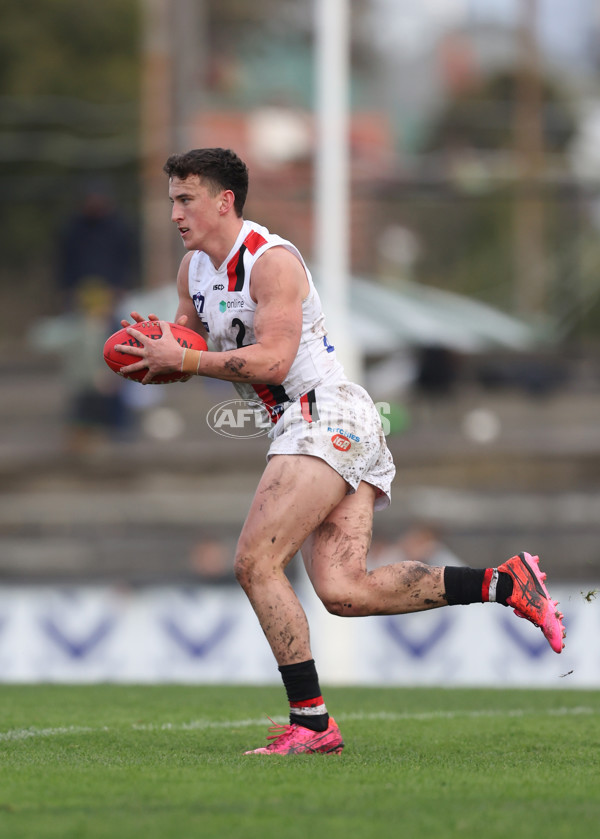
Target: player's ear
226, 201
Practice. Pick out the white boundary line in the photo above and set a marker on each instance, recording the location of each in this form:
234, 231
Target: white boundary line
204, 725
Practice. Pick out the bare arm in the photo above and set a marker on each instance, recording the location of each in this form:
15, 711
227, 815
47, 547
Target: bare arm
278, 285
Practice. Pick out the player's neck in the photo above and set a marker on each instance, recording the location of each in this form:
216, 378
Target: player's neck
222, 244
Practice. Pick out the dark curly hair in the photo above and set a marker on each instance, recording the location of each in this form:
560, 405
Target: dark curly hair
220, 168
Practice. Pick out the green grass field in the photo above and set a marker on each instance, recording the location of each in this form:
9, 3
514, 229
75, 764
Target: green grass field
165, 761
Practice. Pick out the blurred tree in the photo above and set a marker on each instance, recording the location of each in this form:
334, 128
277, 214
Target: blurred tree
76, 48
472, 150
70, 80
69, 87
483, 117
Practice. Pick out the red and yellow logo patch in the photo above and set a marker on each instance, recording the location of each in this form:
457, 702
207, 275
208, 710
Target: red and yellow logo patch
340, 442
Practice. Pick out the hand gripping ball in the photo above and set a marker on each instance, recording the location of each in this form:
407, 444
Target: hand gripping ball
185, 337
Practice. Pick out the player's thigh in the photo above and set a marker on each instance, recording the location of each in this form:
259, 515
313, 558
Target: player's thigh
295, 494
335, 554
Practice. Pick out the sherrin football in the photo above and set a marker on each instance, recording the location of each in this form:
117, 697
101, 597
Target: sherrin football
185, 337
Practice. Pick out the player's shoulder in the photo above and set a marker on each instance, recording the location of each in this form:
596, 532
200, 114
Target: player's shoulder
260, 239
183, 274
278, 261
275, 257
191, 261
186, 259
278, 274
268, 247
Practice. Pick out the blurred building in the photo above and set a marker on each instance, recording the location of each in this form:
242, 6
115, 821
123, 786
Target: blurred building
278, 145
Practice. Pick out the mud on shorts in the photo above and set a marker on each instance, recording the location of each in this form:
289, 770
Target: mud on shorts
339, 424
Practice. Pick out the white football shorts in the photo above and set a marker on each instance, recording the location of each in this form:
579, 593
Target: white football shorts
340, 424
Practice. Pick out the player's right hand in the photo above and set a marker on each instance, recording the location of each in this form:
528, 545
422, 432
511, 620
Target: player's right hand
137, 318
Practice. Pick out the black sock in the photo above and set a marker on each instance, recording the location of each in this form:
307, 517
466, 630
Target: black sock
304, 695
476, 585
504, 588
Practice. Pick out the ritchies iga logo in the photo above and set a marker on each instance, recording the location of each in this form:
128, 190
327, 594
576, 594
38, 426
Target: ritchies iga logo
341, 443
341, 439
239, 418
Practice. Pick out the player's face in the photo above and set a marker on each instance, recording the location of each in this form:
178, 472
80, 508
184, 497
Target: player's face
195, 211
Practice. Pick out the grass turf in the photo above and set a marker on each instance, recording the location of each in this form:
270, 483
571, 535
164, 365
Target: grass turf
162, 761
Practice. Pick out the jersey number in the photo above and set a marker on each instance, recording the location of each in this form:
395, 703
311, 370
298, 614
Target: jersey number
239, 339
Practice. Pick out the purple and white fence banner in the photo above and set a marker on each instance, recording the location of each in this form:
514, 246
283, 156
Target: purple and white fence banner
210, 634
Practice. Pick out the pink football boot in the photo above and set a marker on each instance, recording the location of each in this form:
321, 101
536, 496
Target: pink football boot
530, 598
295, 740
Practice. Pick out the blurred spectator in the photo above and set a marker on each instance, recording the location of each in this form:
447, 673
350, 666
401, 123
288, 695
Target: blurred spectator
211, 561
536, 376
96, 407
437, 370
96, 244
422, 542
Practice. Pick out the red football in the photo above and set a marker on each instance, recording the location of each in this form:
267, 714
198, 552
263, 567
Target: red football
185, 337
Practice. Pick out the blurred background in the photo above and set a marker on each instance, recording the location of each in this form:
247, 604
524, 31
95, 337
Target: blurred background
473, 277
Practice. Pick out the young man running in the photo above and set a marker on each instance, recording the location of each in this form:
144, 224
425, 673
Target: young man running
328, 465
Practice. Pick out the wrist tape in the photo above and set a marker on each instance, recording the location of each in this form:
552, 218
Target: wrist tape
190, 361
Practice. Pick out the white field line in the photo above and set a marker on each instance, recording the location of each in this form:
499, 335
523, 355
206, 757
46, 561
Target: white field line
202, 725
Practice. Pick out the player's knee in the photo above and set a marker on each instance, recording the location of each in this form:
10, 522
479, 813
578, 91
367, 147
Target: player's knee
243, 565
251, 568
344, 607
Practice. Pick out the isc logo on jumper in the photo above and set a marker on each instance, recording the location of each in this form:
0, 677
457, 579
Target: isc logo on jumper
239, 418
340, 442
